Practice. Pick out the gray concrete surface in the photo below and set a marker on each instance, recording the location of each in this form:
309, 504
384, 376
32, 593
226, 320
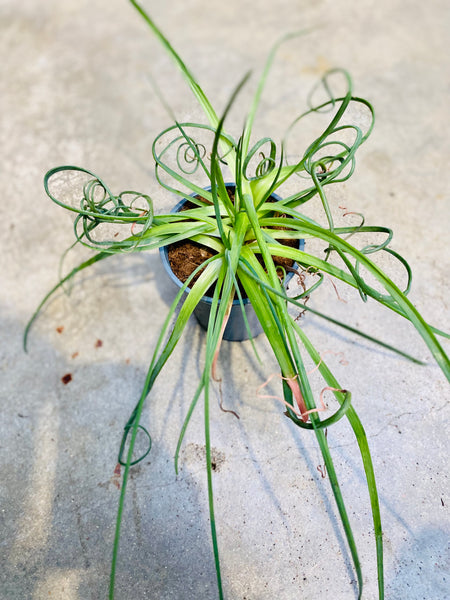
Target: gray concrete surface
75, 90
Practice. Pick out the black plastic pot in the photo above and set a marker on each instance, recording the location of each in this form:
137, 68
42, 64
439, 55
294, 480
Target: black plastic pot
235, 330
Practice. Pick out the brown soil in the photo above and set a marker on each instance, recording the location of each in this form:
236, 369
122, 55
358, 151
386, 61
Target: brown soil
185, 256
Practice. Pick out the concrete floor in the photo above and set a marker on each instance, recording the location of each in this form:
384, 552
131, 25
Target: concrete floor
74, 89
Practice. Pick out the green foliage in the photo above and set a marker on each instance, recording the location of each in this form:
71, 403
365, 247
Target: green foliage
245, 235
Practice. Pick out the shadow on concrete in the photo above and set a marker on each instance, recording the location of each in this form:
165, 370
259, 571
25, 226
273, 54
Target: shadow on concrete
60, 494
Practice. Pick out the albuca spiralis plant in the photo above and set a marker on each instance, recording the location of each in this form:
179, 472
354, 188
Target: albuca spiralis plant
243, 234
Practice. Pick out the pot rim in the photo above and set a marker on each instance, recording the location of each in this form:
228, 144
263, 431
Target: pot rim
164, 253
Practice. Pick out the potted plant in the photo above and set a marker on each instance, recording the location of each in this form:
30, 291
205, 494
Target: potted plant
250, 240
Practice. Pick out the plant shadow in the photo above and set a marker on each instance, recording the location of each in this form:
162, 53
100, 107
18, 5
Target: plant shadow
62, 492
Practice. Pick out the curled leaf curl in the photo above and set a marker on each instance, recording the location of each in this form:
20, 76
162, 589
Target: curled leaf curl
97, 205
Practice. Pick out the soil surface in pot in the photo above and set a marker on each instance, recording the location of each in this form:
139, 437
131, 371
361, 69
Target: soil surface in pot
185, 256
